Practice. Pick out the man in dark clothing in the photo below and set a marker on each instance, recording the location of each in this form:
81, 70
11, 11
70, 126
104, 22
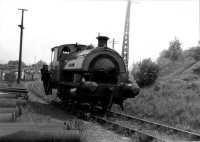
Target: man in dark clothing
45, 78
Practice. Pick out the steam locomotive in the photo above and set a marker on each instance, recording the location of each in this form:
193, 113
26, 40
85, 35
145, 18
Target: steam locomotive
84, 74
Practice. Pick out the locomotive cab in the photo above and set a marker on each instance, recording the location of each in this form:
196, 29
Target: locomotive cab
58, 56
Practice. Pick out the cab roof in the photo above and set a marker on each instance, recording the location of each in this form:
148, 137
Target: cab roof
70, 46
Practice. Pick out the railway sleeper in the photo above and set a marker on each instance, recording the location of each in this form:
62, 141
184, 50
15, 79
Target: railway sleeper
142, 136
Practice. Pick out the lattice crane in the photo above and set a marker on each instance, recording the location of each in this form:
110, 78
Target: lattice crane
125, 44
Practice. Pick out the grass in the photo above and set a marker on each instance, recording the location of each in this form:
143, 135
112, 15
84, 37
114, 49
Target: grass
174, 99
176, 103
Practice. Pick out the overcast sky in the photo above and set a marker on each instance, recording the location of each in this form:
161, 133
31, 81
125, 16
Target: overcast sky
49, 23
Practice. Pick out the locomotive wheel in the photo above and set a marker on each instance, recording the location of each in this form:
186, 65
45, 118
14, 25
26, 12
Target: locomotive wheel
91, 107
104, 105
72, 105
76, 104
63, 95
65, 100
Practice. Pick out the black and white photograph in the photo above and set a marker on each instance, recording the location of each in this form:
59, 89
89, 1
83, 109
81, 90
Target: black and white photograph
100, 70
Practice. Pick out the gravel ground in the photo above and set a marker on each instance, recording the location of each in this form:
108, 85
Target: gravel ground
38, 111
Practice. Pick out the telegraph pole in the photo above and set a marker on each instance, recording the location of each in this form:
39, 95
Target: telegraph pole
199, 24
20, 48
113, 43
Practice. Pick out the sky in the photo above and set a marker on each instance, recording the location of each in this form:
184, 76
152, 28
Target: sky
49, 23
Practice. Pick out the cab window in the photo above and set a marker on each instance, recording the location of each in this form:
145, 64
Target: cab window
65, 50
54, 55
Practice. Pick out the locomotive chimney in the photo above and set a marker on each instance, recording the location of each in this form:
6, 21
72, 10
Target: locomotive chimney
102, 41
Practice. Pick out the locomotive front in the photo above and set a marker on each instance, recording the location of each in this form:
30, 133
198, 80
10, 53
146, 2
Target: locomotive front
83, 74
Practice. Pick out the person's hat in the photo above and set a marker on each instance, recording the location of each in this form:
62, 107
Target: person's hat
44, 65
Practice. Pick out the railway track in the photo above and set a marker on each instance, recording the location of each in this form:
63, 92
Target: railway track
115, 126
151, 130
139, 128
131, 132
191, 136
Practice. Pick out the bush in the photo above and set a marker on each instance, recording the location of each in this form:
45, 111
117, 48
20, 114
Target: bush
10, 77
196, 53
196, 70
163, 62
147, 72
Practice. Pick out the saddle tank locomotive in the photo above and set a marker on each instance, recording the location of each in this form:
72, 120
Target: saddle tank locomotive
84, 74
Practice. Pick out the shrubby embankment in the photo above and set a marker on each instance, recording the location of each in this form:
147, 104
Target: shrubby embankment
174, 98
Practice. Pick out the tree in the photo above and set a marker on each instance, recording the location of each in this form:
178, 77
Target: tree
195, 53
39, 64
147, 72
174, 51
162, 60
14, 64
10, 77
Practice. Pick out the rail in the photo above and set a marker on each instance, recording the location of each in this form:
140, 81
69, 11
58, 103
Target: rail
194, 136
127, 129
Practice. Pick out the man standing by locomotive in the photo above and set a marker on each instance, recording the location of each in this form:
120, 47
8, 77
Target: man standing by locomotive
46, 78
